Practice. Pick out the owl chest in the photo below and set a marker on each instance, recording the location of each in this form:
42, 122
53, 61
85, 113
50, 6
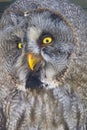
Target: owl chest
43, 110
34, 112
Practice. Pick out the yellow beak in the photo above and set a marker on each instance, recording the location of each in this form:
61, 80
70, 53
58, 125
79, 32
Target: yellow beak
33, 60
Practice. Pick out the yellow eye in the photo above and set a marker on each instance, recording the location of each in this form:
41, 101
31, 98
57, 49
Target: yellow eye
20, 45
47, 40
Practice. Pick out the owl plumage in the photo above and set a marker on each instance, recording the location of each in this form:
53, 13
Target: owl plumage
43, 65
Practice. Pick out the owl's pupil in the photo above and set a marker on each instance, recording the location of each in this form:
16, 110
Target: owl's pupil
47, 41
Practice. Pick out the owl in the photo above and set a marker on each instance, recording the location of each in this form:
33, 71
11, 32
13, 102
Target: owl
43, 66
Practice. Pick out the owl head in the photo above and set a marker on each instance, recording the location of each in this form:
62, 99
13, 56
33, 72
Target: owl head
40, 56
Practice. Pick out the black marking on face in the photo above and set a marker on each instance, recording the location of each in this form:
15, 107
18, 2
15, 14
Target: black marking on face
33, 80
55, 18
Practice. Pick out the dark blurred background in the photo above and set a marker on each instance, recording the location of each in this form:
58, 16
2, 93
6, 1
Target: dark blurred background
5, 3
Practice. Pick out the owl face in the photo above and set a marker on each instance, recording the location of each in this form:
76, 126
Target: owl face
50, 44
46, 50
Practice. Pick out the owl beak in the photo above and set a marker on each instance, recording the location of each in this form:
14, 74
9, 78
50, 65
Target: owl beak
33, 60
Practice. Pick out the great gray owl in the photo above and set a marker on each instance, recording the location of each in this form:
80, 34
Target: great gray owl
43, 66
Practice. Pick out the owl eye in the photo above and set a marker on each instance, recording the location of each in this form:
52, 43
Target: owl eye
47, 40
20, 45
